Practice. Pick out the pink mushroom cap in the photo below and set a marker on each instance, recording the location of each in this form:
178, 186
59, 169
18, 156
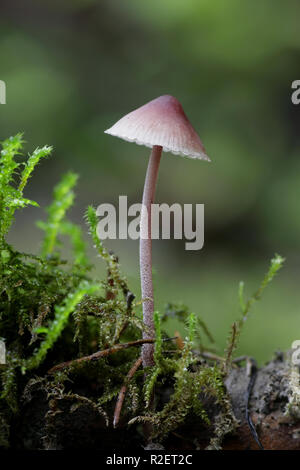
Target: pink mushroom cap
161, 122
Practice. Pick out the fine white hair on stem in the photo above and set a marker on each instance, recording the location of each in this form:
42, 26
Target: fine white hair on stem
146, 253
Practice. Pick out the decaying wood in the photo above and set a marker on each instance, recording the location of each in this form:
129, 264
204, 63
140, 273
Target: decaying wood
276, 428
81, 427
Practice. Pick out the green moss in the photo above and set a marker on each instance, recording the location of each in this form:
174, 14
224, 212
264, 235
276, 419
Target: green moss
245, 307
52, 311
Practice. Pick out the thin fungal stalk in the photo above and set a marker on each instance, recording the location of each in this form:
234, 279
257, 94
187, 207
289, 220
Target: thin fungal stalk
146, 254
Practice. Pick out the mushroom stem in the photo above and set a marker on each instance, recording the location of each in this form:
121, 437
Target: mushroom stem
146, 253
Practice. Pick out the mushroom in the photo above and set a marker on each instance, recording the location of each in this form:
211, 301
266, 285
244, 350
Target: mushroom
161, 125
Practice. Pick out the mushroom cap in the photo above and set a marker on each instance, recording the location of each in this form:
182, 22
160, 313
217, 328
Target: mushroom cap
161, 122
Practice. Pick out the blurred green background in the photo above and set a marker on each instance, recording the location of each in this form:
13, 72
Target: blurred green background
73, 67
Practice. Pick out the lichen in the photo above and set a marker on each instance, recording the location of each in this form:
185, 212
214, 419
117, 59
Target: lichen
293, 405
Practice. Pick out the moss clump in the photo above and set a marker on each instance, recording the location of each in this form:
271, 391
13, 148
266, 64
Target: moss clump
52, 311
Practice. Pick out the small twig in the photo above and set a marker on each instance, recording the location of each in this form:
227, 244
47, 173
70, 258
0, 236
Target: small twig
214, 357
251, 372
123, 391
239, 359
169, 339
211, 356
100, 354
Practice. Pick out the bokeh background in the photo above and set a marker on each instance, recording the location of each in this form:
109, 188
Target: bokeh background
73, 67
